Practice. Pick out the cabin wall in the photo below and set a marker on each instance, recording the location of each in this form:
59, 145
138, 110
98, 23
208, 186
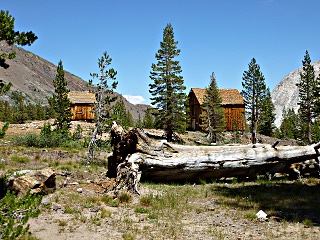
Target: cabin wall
82, 112
195, 112
235, 117
233, 114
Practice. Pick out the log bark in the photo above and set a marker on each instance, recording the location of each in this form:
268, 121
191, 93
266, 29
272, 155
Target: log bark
164, 162
188, 163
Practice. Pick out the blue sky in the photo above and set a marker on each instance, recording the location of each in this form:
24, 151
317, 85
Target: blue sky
214, 36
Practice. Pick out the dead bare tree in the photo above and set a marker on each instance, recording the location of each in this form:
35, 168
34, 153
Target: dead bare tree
104, 97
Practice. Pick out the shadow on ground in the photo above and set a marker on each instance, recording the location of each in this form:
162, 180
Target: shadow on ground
288, 201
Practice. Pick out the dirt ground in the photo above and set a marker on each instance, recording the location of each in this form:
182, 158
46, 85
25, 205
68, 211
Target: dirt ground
212, 221
207, 217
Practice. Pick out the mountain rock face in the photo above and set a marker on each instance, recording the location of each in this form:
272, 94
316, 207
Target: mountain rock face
286, 93
33, 76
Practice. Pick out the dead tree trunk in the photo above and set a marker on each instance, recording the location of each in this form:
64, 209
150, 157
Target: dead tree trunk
122, 165
161, 161
187, 163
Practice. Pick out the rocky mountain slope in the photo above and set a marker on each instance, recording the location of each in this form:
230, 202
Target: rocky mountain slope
286, 95
33, 76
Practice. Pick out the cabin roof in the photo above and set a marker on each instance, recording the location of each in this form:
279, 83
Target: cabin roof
228, 95
85, 97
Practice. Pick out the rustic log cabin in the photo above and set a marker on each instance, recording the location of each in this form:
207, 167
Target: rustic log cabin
82, 104
232, 104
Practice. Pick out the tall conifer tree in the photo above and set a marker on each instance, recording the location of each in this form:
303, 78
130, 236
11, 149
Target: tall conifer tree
168, 88
214, 119
60, 102
10, 36
307, 92
129, 119
267, 115
121, 115
148, 120
254, 92
288, 127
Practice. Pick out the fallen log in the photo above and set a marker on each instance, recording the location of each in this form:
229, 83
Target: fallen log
166, 162
192, 163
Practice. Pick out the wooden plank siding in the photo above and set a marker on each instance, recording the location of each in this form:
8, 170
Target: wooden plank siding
82, 105
232, 104
82, 112
235, 117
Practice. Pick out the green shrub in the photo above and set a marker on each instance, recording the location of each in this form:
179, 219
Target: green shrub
46, 129
4, 129
153, 216
77, 133
113, 203
124, 198
129, 236
16, 212
146, 200
46, 139
20, 159
141, 210
307, 223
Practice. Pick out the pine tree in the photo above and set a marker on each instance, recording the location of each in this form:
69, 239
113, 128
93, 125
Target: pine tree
254, 92
1, 110
41, 115
167, 89
302, 129
104, 96
148, 120
289, 127
20, 111
139, 123
7, 112
4, 87
31, 112
267, 116
119, 114
316, 131
307, 95
60, 102
10, 36
214, 119
317, 98
129, 118
158, 124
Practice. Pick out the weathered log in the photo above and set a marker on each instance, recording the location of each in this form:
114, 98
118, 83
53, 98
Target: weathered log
191, 163
168, 162
123, 143
128, 176
122, 165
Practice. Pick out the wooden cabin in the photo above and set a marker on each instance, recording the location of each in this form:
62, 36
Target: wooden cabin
232, 104
82, 104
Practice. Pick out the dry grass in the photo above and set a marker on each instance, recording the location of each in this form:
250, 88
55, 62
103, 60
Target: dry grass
205, 211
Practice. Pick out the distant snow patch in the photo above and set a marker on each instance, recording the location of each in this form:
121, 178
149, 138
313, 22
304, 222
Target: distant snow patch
134, 99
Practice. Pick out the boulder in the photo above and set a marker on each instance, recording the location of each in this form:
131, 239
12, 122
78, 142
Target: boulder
37, 181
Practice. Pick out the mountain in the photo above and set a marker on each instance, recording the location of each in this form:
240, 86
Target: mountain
286, 93
33, 76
